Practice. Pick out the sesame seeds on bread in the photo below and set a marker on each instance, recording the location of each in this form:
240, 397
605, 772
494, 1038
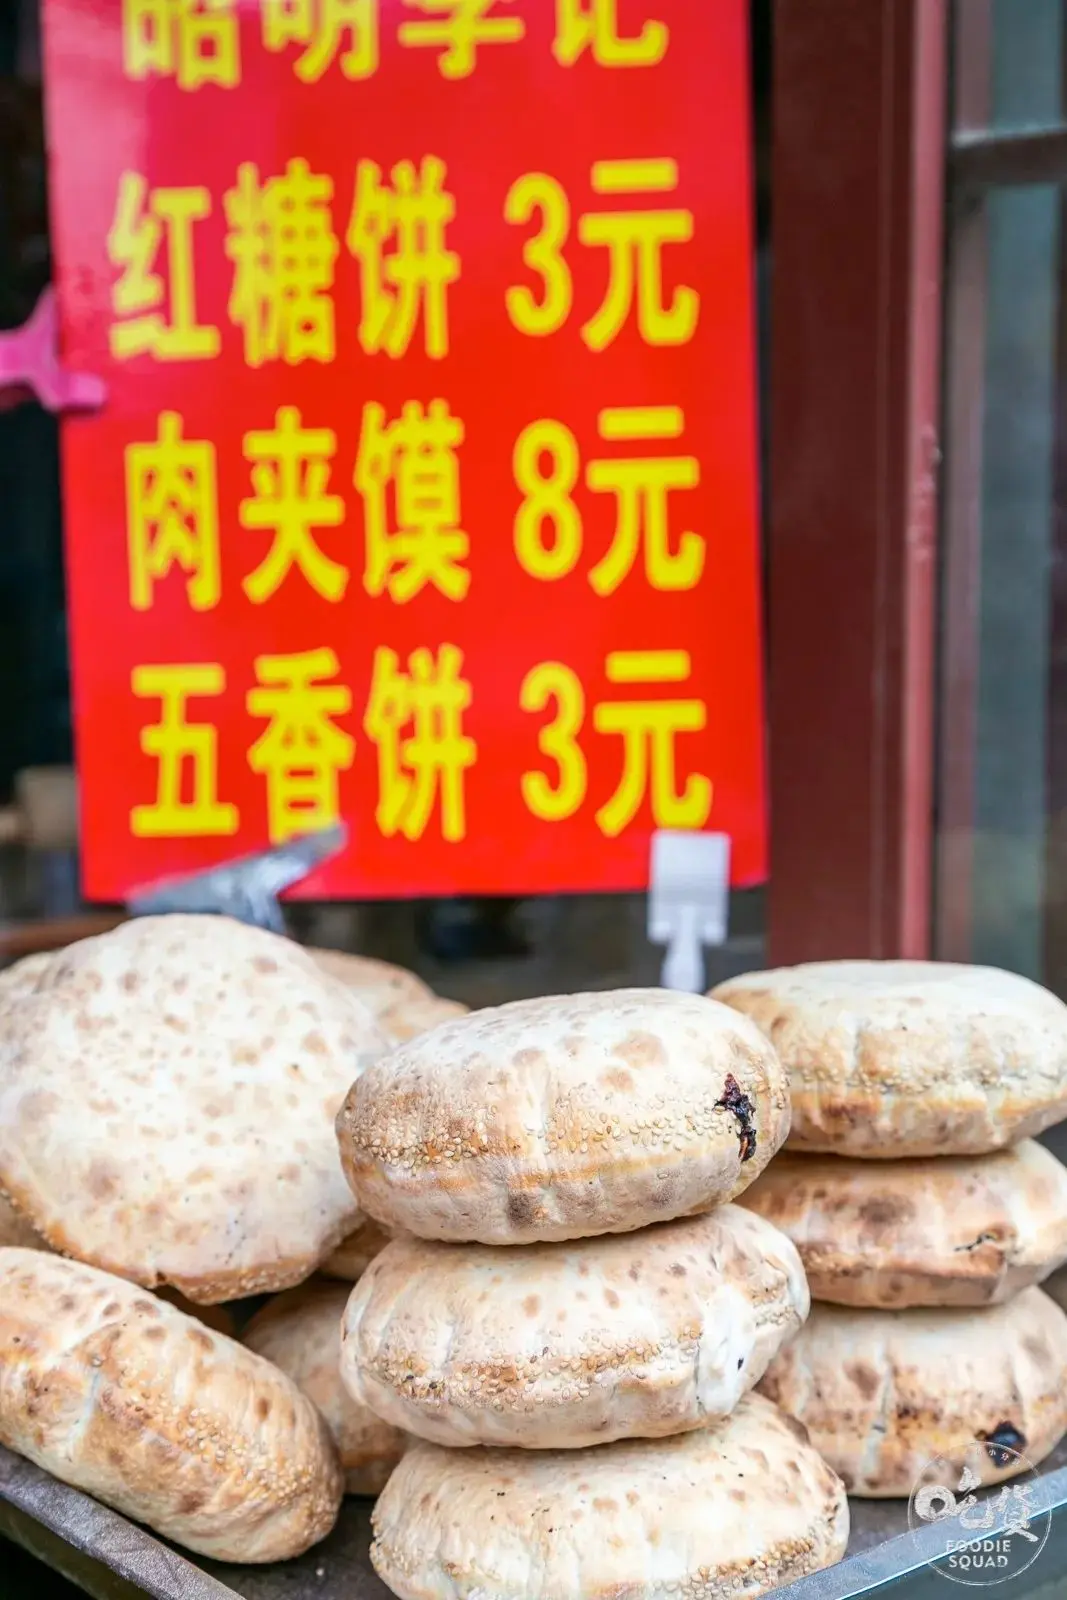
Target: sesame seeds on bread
564, 1117
119, 1394
882, 1393
911, 1058
738, 1508
924, 1231
300, 1332
167, 1100
565, 1345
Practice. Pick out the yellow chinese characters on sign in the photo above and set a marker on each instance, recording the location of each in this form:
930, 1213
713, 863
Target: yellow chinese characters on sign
172, 516
548, 525
186, 754
281, 242
153, 318
458, 28
425, 766
302, 751
594, 25
195, 42
345, 31
634, 239
417, 455
648, 729
290, 474
410, 215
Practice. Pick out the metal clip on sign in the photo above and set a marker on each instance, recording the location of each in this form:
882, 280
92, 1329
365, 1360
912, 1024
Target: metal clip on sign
246, 889
30, 367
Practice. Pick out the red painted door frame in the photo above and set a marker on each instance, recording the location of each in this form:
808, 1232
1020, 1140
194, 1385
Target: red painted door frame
857, 195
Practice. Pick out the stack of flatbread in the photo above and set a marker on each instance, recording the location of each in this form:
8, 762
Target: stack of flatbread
168, 1094
924, 1212
568, 1282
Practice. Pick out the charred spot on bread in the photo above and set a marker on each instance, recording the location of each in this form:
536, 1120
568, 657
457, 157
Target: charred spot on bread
734, 1100
1002, 1442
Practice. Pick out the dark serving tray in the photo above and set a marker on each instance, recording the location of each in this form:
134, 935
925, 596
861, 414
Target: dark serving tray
112, 1558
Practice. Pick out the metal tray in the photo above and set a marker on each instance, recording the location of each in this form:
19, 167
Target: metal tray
114, 1559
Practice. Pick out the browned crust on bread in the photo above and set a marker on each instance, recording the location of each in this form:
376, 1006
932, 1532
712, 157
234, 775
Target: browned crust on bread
948, 1231
564, 1117
882, 1393
123, 1396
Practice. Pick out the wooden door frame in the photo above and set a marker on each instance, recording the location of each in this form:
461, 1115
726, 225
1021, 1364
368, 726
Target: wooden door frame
857, 196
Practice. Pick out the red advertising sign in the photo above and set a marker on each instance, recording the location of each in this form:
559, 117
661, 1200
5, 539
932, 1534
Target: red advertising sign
424, 493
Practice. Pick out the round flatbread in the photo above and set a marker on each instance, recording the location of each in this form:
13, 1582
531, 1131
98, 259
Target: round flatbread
738, 1508
116, 1392
557, 1346
960, 1231
167, 1099
404, 1005
300, 1331
379, 983
911, 1058
355, 1253
407, 1018
565, 1117
882, 1393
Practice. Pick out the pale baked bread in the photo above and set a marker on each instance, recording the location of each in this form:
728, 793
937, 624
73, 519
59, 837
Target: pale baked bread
564, 1117
116, 1392
379, 983
167, 1100
355, 1253
407, 1018
960, 1231
883, 1392
911, 1058
403, 1004
300, 1331
735, 1509
21, 978
557, 1346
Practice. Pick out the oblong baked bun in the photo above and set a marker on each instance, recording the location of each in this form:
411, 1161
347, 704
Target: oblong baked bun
167, 1102
565, 1117
910, 1058
118, 1393
882, 1393
921, 1231
356, 1252
740, 1507
557, 1346
300, 1331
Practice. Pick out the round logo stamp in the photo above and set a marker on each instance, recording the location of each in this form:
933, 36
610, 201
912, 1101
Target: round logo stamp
994, 1533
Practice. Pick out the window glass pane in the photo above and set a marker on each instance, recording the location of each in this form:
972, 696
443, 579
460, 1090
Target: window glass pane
1011, 756
1027, 66
1008, 66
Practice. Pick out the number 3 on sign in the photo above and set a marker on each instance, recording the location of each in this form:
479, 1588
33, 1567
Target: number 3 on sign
557, 740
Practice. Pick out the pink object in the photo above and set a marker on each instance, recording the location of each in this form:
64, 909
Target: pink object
30, 367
